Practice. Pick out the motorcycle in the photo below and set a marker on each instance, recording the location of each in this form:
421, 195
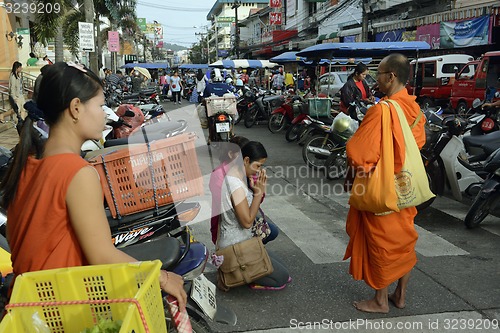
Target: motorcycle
261, 108
487, 198
179, 254
319, 147
220, 111
284, 114
452, 159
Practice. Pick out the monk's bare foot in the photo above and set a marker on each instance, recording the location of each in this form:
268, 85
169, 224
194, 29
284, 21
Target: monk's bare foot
371, 306
397, 301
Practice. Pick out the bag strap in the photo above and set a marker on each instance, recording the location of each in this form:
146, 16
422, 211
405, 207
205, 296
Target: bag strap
400, 112
401, 116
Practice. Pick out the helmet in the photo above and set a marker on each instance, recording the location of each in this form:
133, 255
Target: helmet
341, 125
239, 82
229, 80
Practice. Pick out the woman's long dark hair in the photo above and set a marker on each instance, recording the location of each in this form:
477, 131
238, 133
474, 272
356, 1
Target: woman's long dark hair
360, 68
199, 75
254, 150
61, 83
15, 66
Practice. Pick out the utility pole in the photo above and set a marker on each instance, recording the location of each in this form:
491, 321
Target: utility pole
364, 23
89, 17
216, 41
237, 29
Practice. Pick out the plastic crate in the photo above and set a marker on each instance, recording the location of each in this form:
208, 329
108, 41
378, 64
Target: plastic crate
320, 107
141, 178
126, 292
221, 104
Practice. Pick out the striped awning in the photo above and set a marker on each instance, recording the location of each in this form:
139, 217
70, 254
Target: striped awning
328, 36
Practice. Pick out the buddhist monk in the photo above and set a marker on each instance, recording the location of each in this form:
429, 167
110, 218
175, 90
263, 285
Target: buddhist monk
382, 247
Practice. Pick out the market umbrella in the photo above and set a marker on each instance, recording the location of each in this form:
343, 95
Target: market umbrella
143, 71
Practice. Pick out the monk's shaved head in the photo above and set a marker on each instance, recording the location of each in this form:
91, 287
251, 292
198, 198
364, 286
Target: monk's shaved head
399, 65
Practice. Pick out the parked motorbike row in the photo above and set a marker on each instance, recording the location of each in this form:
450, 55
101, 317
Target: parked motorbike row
462, 152
461, 156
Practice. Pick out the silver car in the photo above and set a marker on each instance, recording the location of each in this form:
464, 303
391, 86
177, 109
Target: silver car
337, 80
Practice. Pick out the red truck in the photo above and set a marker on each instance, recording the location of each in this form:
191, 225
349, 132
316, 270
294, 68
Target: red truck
434, 78
478, 79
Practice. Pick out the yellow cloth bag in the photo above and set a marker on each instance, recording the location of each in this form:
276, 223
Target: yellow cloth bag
412, 185
375, 191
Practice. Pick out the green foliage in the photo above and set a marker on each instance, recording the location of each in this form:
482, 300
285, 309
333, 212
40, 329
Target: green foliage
105, 326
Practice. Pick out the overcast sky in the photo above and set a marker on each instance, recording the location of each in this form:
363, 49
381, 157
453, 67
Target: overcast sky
178, 17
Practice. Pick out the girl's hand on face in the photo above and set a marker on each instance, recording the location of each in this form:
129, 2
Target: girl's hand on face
259, 186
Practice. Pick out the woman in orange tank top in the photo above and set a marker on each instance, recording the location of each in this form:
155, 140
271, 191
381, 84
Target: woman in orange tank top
54, 197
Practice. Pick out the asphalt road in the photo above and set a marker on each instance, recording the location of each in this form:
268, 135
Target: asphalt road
455, 286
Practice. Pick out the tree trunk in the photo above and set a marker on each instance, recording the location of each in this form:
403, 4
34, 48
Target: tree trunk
59, 44
89, 17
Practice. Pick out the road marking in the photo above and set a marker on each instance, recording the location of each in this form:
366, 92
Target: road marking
318, 242
431, 245
426, 323
459, 210
319, 245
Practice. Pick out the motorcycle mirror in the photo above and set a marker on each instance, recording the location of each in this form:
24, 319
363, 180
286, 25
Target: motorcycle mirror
476, 103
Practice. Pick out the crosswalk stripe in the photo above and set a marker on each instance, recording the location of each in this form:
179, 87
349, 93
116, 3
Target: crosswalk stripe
321, 241
320, 246
459, 210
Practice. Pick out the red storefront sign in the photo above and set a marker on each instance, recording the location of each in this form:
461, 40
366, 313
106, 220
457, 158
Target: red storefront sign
275, 3
275, 19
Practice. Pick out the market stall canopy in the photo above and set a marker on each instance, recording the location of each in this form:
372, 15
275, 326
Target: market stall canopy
344, 61
150, 65
244, 63
143, 71
362, 49
193, 66
292, 57
288, 57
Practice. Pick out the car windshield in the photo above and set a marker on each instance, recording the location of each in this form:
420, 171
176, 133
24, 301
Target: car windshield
343, 77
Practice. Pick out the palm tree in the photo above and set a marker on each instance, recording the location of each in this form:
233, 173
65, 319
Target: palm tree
49, 25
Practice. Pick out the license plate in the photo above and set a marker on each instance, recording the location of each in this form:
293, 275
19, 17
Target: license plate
222, 127
203, 293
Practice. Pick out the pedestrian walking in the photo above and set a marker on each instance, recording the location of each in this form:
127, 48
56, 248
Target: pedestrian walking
176, 87
382, 247
16, 96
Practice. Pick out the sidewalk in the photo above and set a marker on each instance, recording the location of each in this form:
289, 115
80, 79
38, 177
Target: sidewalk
8, 135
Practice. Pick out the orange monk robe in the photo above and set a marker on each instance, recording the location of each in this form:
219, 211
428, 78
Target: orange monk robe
382, 248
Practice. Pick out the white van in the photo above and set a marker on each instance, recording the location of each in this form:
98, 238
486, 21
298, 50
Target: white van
435, 77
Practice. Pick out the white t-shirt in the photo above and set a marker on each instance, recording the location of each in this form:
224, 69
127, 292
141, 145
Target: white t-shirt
175, 81
231, 231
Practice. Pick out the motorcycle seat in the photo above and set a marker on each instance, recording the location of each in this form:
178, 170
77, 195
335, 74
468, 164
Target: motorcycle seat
490, 140
167, 249
130, 96
147, 92
156, 131
325, 120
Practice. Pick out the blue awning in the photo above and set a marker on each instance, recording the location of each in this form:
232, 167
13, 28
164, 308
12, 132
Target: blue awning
363, 49
193, 66
288, 57
243, 63
149, 65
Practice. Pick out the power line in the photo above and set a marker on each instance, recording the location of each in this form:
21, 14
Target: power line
174, 8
